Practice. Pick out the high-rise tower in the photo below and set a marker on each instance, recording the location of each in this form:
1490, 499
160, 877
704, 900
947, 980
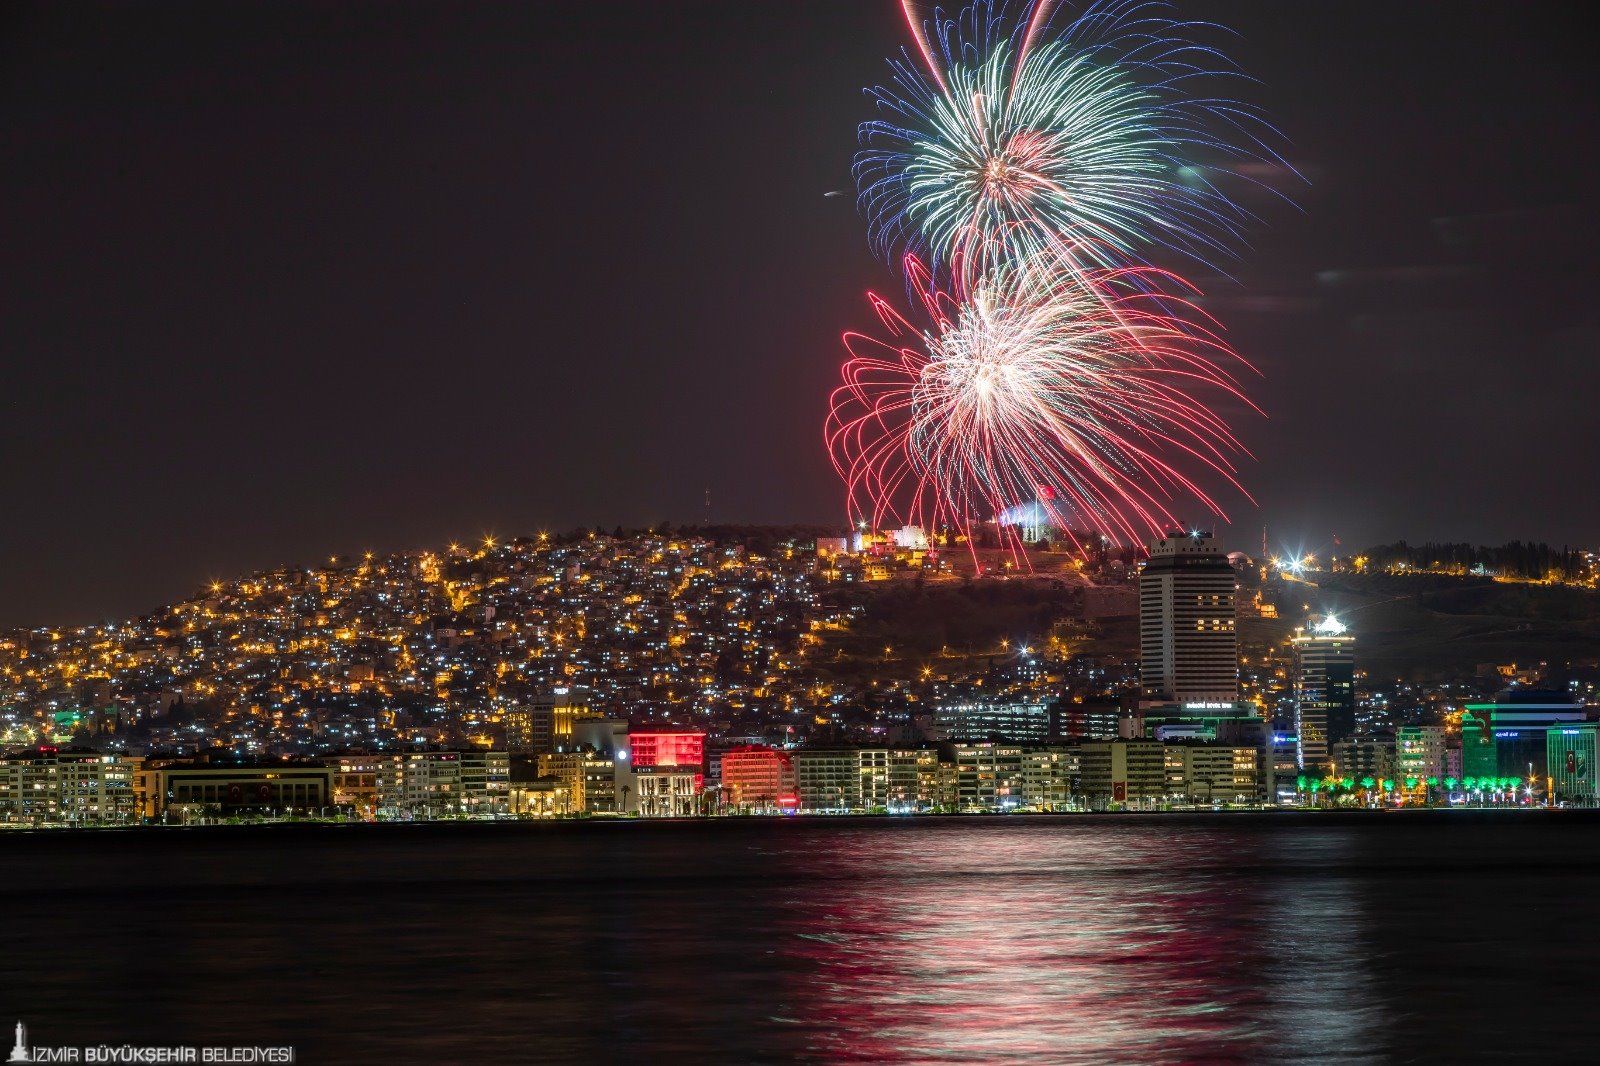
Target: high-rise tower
1324, 690
544, 724
1189, 650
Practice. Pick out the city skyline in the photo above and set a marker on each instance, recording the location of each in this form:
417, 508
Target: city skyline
252, 328
585, 674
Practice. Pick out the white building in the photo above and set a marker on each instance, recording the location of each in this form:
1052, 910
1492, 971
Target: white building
828, 780
900, 780
1047, 775
67, 788
666, 792
1419, 752
1189, 649
912, 538
990, 777
442, 784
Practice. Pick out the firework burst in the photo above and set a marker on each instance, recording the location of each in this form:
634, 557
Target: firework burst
1014, 137
1034, 386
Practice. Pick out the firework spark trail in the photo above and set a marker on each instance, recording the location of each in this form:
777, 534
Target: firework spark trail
1034, 387
1033, 169
1010, 139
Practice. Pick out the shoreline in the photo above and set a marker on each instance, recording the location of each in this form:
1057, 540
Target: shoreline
475, 827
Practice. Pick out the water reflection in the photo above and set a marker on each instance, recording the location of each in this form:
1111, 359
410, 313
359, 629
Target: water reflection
1075, 940
1315, 950
1003, 943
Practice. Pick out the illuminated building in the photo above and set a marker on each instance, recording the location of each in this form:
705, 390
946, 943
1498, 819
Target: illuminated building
667, 792
603, 745
828, 780
1285, 754
1419, 752
1187, 616
1002, 720
650, 749
989, 777
668, 773
828, 547
485, 782
898, 780
437, 784
604, 774
417, 785
1478, 755
1206, 774
1324, 690
569, 771
542, 798
1358, 759
1570, 756
1117, 772
1030, 521
914, 538
1209, 720
519, 729
545, 724
185, 790
1507, 738
1047, 778
67, 788
355, 782
1090, 721
758, 779
601, 734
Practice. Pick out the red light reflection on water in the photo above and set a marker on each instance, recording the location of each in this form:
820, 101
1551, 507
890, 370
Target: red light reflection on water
1088, 946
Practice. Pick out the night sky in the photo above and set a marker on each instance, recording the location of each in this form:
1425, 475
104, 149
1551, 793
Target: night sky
280, 280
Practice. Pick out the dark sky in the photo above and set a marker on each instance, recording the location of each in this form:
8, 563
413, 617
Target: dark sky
280, 280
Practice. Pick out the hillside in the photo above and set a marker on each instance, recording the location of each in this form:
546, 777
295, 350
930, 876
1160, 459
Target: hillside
1429, 623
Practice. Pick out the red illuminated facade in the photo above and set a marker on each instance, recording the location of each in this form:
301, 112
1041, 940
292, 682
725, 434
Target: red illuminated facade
669, 773
757, 778
667, 749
